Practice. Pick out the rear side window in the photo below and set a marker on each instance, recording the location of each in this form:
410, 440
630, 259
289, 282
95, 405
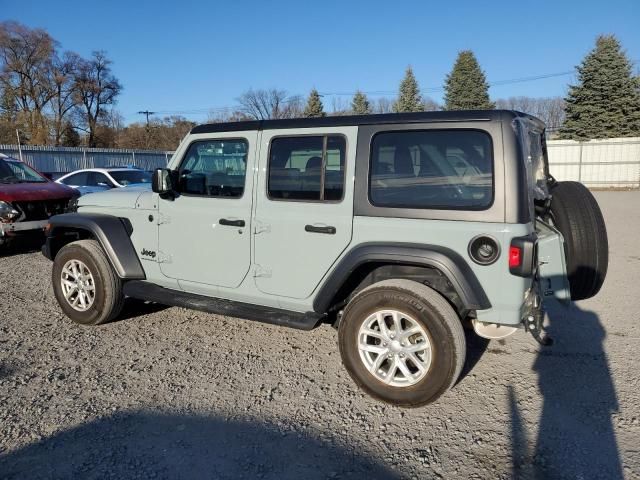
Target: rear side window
307, 168
79, 179
214, 168
437, 169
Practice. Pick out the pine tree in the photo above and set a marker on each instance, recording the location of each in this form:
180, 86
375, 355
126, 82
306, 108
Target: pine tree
70, 137
360, 104
466, 87
606, 101
409, 99
314, 106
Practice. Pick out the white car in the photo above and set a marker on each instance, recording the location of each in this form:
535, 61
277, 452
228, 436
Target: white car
92, 180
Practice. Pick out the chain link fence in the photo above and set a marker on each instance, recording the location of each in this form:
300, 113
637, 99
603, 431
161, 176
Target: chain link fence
60, 160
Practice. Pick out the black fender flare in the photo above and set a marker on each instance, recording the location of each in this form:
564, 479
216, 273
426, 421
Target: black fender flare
447, 261
113, 234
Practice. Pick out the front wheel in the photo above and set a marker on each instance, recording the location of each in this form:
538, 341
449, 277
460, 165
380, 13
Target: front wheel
402, 342
85, 284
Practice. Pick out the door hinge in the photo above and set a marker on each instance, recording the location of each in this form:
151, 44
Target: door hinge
260, 271
261, 227
162, 218
163, 257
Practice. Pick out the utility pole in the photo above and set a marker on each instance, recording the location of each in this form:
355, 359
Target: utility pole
19, 146
147, 113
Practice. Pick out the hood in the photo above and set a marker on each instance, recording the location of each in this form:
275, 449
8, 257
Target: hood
28, 192
113, 198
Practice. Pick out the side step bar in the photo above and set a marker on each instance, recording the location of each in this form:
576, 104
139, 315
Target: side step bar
153, 293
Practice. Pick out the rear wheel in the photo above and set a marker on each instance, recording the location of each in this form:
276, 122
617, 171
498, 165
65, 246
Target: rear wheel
85, 284
576, 214
402, 342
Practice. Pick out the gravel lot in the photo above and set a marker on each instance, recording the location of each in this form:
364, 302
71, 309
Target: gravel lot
172, 393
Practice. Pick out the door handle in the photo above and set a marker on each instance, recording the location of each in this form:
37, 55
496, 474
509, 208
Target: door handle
317, 229
231, 223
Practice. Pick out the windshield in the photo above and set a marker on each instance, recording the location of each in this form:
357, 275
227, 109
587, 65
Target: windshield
128, 177
13, 171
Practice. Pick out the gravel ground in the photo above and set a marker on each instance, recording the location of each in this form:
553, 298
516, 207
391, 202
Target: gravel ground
172, 393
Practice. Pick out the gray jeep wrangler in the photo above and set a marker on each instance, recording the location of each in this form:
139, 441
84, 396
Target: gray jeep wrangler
399, 230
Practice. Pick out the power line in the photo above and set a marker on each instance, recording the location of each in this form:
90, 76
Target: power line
202, 111
439, 89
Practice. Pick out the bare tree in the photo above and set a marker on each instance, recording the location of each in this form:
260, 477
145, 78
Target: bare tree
64, 73
96, 89
548, 109
383, 105
227, 115
340, 106
26, 71
268, 104
429, 104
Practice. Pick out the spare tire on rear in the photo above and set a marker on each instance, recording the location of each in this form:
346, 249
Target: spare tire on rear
576, 214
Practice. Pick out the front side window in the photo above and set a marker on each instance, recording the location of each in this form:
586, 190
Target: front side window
307, 168
214, 168
97, 179
78, 179
435, 169
131, 177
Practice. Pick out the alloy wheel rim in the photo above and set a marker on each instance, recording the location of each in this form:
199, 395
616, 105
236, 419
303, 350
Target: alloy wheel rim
78, 285
394, 348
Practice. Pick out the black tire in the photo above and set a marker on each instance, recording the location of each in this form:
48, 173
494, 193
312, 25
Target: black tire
437, 318
109, 298
576, 214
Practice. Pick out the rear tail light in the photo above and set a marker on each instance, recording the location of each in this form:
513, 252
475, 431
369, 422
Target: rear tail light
515, 256
522, 256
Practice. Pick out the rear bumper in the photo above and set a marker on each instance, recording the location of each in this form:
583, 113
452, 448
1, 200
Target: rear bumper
7, 229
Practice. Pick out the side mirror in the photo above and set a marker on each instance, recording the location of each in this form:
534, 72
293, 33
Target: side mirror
162, 181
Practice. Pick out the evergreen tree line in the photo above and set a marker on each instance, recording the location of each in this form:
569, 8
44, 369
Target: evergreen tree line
59, 98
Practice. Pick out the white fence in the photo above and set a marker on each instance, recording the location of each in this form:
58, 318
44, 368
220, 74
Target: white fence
610, 163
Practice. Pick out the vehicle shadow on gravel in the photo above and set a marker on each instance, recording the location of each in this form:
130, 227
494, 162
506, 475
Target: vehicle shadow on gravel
22, 245
153, 445
576, 438
134, 308
476, 348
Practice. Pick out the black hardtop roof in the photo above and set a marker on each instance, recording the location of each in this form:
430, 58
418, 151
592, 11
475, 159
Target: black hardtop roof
350, 120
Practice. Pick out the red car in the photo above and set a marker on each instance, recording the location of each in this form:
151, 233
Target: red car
27, 199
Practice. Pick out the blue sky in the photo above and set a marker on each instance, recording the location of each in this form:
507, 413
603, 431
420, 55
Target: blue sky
189, 55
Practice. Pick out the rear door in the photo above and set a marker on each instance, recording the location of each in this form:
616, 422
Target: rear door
304, 210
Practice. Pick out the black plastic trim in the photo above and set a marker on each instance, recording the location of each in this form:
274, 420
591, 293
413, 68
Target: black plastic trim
350, 120
231, 223
447, 261
316, 229
110, 231
154, 293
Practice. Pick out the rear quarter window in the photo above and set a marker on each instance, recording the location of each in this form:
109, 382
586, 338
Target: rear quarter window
432, 169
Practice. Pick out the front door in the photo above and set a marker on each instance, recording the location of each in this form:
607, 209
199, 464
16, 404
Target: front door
204, 232
304, 209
